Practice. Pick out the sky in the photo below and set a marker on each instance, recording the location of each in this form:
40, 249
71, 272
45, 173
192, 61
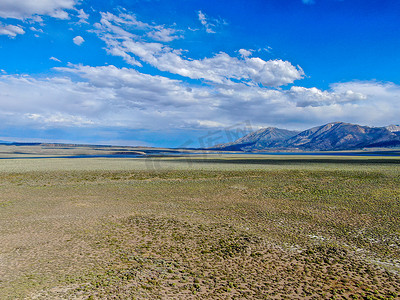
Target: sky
190, 73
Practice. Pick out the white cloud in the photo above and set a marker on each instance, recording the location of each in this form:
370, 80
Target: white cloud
315, 97
238, 89
23, 9
115, 23
219, 69
129, 20
78, 40
203, 21
35, 29
245, 53
37, 19
135, 87
82, 16
11, 30
164, 34
382, 90
58, 118
51, 101
210, 25
55, 59
120, 97
106, 96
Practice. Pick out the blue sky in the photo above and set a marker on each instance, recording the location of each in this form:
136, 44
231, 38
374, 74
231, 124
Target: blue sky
172, 73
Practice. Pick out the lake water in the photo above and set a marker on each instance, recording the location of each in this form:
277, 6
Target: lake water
182, 154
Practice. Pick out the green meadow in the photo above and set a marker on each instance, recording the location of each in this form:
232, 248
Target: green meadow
200, 227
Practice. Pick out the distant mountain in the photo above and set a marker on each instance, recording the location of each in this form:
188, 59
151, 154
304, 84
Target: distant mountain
393, 128
270, 137
331, 136
339, 136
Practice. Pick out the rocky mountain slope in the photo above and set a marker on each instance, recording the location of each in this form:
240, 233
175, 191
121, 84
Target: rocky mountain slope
331, 136
393, 128
264, 138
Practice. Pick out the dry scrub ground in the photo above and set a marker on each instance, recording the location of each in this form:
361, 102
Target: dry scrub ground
221, 234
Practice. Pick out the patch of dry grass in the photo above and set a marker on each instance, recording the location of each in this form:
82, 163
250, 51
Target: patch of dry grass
289, 233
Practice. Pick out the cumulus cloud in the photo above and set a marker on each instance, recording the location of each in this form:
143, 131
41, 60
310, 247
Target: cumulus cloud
238, 88
11, 30
105, 96
135, 87
164, 34
219, 69
126, 19
315, 97
383, 90
22, 9
108, 96
114, 30
59, 119
78, 40
245, 53
25, 100
115, 25
82, 16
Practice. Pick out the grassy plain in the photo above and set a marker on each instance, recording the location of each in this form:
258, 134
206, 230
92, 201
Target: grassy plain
219, 227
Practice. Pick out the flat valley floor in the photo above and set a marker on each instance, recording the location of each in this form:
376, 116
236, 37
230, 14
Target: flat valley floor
215, 227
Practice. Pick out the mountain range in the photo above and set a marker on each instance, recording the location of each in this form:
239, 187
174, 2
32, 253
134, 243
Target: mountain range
329, 137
